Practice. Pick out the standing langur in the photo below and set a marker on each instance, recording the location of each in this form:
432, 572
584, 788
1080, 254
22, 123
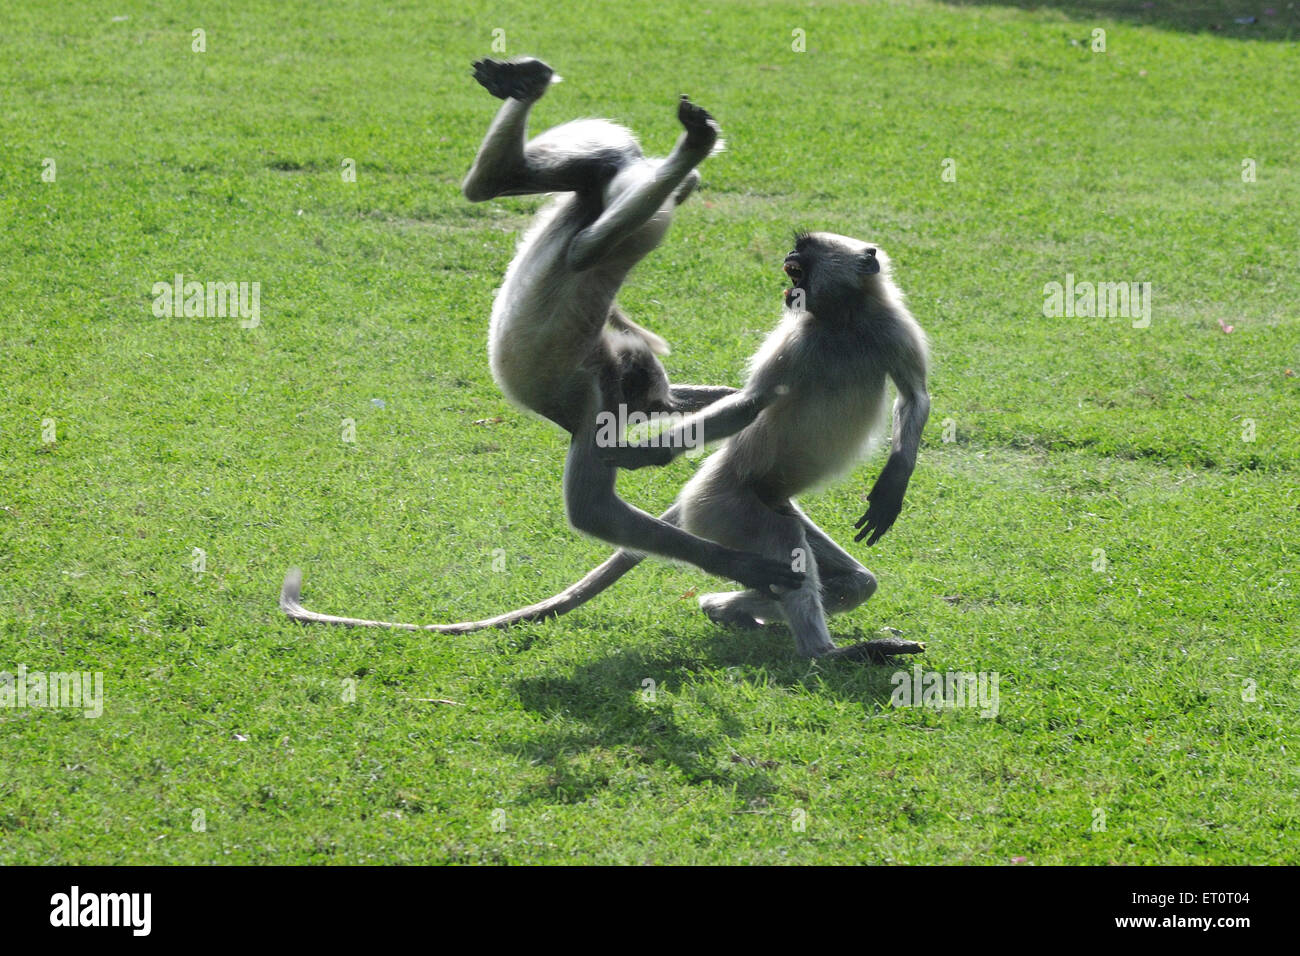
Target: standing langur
816, 391
558, 344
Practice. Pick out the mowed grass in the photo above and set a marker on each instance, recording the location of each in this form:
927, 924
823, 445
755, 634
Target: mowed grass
1098, 532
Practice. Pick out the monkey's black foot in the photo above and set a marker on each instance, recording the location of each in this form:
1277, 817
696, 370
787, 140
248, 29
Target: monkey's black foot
874, 652
764, 575
701, 128
730, 618
525, 79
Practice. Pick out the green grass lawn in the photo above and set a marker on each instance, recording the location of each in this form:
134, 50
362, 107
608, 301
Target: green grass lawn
1088, 520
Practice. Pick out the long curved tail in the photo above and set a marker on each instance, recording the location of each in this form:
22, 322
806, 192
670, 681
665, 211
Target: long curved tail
596, 580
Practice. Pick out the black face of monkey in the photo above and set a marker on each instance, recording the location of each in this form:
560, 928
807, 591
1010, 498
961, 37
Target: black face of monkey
827, 272
797, 266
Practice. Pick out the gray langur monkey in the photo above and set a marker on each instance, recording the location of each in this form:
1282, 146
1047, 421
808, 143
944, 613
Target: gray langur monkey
817, 389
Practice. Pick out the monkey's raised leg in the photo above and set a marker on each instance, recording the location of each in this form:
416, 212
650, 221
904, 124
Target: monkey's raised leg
644, 187
594, 508
506, 165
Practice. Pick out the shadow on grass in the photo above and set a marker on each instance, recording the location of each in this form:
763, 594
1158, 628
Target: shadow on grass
601, 727
1219, 17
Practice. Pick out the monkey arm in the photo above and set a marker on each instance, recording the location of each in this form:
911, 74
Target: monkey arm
720, 420
693, 398
911, 411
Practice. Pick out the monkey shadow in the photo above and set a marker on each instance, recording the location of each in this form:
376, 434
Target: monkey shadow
605, 718
1203, 16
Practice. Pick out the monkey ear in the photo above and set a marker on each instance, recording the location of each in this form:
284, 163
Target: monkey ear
868, 264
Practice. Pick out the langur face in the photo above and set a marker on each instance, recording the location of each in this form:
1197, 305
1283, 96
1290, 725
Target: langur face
825, 270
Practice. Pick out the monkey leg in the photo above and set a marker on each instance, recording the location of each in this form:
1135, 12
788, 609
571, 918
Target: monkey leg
802, 607
594, 508
846, 583
501, 166
508, 165
641, 189
745, 609
715, 509
524, 79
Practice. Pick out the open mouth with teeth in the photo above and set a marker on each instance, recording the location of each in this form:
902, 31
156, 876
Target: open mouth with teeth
795, 271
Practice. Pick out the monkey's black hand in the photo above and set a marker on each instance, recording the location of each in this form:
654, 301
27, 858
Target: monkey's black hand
886, 500
525, 79
701, 128
632, 457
